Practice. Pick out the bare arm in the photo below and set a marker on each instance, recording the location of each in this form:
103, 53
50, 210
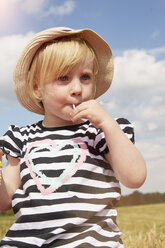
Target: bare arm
10, 183
126, 161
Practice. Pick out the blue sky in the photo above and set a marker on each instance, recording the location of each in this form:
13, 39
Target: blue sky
135, 31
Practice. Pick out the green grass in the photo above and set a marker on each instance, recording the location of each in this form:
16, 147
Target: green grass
142, 226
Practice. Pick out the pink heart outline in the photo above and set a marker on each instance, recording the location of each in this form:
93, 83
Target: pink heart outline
50, 189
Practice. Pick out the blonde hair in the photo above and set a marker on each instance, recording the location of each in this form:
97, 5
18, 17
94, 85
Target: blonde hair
57, 58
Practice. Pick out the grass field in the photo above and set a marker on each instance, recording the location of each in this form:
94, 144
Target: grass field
142, 226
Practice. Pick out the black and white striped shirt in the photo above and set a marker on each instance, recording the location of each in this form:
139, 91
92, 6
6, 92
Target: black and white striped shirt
68, 189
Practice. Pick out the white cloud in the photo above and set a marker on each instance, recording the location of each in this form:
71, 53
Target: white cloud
153, 151
10, 48
65, 9
137, 93
155, 34
28, 6
46, 7
138, 87
157, 51
136, 69
32, 6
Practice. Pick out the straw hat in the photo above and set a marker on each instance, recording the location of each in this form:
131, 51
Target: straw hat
100, 47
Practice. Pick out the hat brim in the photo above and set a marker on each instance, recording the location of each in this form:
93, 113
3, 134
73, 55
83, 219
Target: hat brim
101, 48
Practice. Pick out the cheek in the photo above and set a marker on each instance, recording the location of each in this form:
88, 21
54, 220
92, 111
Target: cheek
91, 91
54, 94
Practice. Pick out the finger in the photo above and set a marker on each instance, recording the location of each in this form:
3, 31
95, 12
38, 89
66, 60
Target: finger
80, 114
76, 116
77, 109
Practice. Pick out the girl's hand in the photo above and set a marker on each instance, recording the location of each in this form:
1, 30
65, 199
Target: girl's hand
91, 110
1, 153
126, 161
1, 166
1, 172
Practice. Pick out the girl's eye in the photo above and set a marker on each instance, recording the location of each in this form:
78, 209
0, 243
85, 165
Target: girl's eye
63, 78
85, 77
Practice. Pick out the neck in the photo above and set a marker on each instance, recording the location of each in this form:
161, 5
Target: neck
61, 123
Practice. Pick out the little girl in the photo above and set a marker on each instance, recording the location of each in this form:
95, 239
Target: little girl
62, 176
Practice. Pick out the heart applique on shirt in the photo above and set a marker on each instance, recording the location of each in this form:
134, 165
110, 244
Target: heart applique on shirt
78, 157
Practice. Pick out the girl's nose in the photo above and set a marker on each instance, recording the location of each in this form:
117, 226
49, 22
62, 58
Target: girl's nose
76, 88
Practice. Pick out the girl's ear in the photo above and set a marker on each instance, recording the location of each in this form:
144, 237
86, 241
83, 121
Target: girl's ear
38, 92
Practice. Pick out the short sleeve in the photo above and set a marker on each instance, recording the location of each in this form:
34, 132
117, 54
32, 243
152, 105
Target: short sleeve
127, 128
11, 143
100, 143
125, 125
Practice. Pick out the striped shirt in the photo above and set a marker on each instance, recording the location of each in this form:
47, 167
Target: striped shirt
68, 189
